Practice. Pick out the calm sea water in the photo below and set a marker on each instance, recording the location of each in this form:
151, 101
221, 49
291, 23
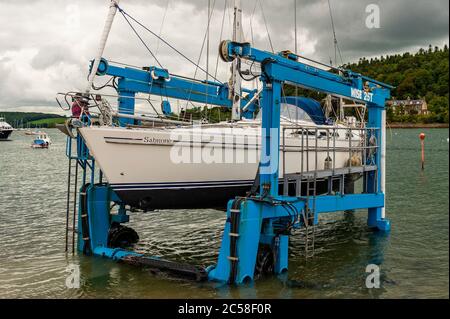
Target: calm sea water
414, 257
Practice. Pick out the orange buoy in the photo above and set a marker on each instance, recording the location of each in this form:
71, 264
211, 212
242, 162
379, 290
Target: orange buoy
422, 143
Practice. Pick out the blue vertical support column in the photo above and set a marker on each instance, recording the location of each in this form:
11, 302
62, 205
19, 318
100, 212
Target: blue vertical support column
270, 138
253, 214
94, 202
269, 164
247, 245
126, 103
376, 218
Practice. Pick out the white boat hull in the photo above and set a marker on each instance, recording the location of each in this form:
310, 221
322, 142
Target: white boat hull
157, 168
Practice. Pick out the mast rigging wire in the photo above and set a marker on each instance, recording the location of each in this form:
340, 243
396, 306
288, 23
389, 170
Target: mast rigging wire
157, 49
221, 36
140, 38
162, 25
201, 49
251, 21
267, 28
124, 13
336, 45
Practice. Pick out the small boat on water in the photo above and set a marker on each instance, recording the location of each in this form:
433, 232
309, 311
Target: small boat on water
5, 129
42, 140
29, 132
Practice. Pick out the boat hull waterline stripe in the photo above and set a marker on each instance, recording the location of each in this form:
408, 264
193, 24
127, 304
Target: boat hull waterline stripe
178, 185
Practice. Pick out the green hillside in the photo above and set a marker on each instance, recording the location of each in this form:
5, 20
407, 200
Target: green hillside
420, 75
48, 122
423, 75
32, 119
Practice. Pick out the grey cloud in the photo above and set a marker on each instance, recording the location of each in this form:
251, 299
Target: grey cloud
36, 33
52, 54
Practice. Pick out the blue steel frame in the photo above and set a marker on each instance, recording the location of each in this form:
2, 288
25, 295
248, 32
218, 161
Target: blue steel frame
258, 214
157, 81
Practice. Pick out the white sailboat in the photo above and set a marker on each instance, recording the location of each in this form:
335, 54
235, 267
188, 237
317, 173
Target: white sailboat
192, 167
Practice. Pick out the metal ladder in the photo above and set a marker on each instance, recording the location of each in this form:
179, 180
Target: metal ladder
309, 218
71, 200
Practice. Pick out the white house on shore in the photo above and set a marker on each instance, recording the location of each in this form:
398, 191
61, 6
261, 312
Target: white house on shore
409, 106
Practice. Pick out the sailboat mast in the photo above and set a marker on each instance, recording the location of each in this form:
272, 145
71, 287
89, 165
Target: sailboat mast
236, 81
296, 51
106, 29
207, 47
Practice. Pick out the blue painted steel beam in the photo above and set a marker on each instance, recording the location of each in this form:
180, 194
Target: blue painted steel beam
160, 82
126, 102
349, 85
177, 91
253, 213
270, 138
258, 215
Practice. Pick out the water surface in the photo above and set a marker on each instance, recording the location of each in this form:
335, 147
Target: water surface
414, 257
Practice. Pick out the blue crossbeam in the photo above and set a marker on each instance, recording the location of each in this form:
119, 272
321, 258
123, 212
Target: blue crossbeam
323, 204
348, 84
160, 82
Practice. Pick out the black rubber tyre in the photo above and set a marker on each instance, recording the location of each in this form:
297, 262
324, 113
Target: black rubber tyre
121, 236
265, 263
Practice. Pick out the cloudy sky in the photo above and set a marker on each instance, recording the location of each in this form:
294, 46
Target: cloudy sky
45, 45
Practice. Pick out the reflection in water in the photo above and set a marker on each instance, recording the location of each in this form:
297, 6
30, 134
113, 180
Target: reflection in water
413, 258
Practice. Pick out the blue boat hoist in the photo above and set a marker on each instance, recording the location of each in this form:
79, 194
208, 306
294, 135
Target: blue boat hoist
258, 226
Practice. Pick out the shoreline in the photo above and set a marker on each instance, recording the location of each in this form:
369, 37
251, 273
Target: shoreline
417, 125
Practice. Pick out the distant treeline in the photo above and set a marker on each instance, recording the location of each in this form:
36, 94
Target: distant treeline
32, 119
423, 75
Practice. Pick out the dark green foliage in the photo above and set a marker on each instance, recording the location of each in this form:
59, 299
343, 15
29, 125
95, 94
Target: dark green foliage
213, 115
423, 75
26, 119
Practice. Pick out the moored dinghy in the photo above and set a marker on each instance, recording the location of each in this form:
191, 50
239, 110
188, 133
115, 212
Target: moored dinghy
42, 140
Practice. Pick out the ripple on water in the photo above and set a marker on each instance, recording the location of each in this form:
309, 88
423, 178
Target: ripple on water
413, 257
